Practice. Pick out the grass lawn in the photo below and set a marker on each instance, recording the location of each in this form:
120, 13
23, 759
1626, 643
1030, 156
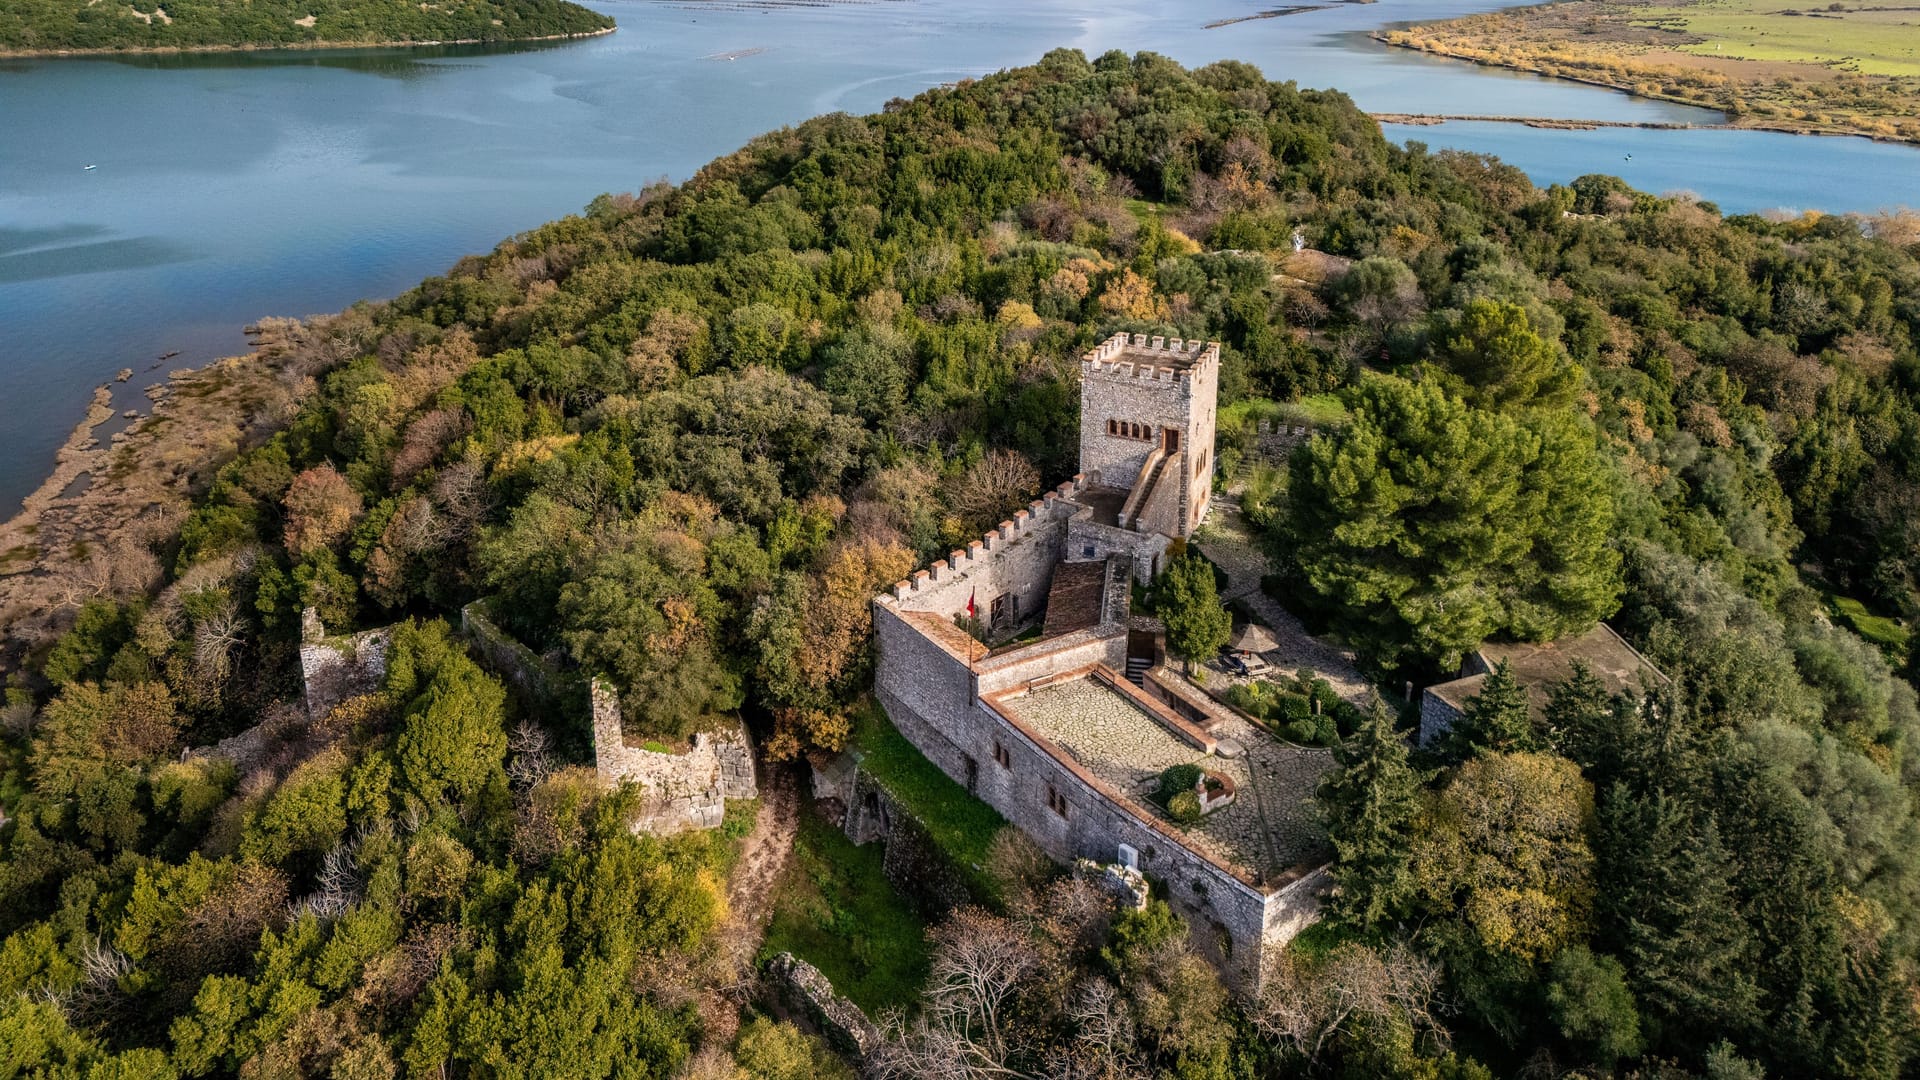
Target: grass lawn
960, 824
837, 912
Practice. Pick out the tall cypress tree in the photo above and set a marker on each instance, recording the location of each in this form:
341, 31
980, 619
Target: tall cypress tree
1370, 802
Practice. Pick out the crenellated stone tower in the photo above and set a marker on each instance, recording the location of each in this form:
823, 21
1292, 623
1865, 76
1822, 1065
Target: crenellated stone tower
1147, 425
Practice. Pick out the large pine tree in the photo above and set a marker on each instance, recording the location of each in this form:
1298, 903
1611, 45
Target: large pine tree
1426, 526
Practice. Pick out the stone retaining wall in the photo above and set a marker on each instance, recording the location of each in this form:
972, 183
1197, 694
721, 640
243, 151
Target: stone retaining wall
914, 865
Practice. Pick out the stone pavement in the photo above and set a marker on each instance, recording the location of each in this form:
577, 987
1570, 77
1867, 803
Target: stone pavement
1271, 826
1228, 541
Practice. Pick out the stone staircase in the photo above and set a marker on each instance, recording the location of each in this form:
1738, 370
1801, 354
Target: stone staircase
1142, 487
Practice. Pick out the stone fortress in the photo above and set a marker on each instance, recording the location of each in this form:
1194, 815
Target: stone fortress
1066, 733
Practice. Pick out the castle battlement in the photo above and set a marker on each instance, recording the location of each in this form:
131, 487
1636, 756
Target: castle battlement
1137, 356
1050, 507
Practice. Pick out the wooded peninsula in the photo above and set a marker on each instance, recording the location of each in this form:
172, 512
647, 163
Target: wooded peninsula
678, 443
29, 27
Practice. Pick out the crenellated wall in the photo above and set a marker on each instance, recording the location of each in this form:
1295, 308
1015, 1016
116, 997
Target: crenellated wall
1139, 382
1016, 558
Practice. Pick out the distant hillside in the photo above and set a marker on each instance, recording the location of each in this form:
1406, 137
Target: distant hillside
100, 25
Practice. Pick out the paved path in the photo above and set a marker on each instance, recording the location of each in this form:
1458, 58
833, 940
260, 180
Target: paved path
1229, 542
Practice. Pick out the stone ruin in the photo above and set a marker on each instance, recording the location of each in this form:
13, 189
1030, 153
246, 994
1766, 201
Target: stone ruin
683, 791
337, 668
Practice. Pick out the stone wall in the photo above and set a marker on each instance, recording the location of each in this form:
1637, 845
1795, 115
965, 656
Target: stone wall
683, 791
1197, 475
1436, 717
931, 697
1158, 385
539, 688
800, 993
337, 668
1227, 917
1016, 558
1163, 510
914, 865
1088, 539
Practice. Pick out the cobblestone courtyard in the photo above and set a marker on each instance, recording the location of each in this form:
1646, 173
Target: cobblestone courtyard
1272, 824
1228, 541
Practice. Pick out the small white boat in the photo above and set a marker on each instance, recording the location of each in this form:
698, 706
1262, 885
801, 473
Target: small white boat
89, 168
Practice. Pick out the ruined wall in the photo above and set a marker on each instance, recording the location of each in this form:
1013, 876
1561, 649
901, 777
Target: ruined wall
533, 681
683, 791
337, 668
800, 993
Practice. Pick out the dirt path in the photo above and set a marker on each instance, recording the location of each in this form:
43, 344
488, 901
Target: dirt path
764, 857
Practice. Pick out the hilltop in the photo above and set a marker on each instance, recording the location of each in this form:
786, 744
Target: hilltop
680, 441
30, 27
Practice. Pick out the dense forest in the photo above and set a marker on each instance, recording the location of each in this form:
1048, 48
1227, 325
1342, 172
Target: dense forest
680, 440
58, 25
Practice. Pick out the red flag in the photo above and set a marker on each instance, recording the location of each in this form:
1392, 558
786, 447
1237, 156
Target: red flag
970, 608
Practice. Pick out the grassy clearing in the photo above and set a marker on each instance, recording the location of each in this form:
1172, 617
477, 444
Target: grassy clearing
1870, 38
963, 826
838, 912
1882, 630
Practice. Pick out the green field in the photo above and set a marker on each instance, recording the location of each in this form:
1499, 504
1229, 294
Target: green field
838, 912
1871, 38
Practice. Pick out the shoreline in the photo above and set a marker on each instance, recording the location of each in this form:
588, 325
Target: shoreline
304, 46
1741, 122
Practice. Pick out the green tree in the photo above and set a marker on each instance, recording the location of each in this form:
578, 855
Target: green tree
452, 736
1498, 718
1498, 361
1504, 849
1425, 526
1188, 601
1371, 802
1592, 1006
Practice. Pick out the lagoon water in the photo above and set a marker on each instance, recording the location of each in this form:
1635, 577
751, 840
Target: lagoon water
235, 186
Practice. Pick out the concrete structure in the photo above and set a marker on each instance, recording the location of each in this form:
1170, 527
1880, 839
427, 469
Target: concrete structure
1049, 731
1537, 667
686, 790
